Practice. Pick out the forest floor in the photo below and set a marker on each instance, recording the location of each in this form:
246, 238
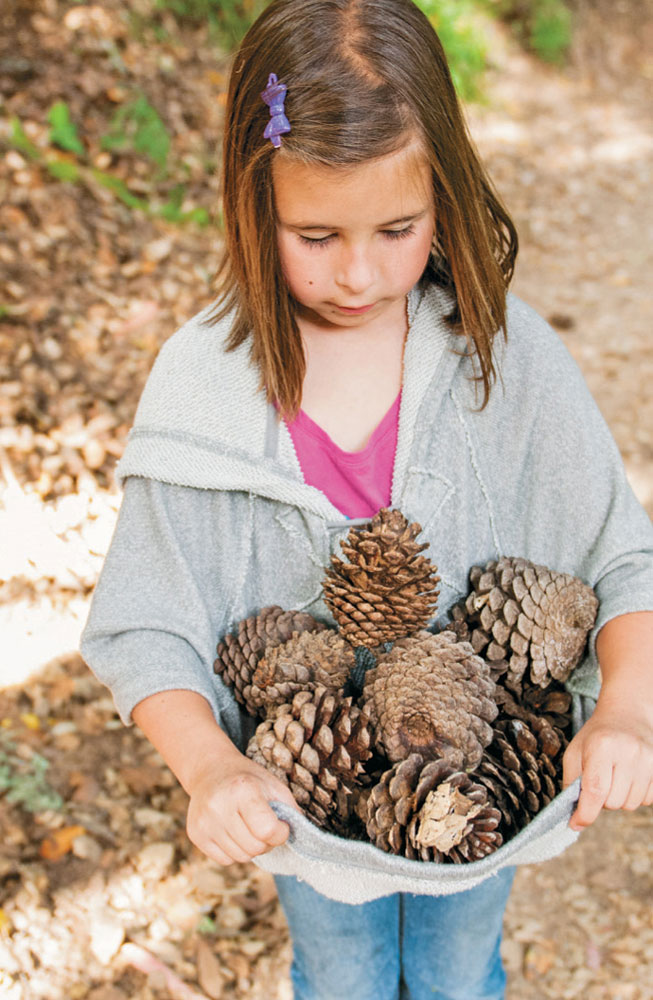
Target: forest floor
101, 895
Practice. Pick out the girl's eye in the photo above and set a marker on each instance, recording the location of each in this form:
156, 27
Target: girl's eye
399, 234
390, 234
313, 242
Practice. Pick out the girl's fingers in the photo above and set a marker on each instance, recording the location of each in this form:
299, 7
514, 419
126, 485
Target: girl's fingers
216, 853
637, 795
595, 787
648, 798
620, 788
235, 850
571, 764
264, 826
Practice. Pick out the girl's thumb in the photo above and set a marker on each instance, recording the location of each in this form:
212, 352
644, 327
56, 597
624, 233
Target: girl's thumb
281, 793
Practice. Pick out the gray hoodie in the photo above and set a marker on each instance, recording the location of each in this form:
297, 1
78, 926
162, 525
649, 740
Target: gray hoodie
217, 522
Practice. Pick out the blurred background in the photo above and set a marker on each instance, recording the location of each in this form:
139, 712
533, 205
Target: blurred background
110, 222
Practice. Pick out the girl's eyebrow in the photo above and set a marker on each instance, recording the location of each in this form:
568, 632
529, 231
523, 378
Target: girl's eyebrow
323, 227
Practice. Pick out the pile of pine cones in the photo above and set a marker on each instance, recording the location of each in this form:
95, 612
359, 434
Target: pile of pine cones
438, 747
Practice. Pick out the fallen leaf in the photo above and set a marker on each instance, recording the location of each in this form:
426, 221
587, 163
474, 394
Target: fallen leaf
538, 959
209, 973
31, 721
141, 779
59, 842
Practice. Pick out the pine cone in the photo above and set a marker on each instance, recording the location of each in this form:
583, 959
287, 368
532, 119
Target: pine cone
303, 662
524, 615
552, 703
239, 653
536, 717
387, 589
432, 812
317, 745
433, 696
522, 770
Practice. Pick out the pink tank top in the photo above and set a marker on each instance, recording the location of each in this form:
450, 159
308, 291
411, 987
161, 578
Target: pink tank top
358, 483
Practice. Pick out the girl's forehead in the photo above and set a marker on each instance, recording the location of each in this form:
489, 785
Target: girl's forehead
393, 187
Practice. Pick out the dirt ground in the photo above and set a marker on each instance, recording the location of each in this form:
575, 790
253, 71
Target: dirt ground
101, 895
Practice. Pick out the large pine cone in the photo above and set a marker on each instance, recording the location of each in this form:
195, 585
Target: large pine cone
300, 664
433, 696
239, 654
521, 615
522, 770
432, 812
317, 745
387, 589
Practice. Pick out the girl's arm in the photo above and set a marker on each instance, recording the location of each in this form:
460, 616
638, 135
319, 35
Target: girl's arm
229, 816
613, 752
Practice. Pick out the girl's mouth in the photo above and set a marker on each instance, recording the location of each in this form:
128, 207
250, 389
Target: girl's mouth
355, 312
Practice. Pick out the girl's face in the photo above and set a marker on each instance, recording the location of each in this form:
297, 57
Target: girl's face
353, 241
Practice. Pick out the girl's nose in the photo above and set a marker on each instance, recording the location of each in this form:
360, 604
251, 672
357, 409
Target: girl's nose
355, 271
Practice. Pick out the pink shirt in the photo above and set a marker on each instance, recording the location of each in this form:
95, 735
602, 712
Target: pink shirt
358, 483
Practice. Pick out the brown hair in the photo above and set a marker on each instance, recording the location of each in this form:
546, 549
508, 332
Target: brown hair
363, 76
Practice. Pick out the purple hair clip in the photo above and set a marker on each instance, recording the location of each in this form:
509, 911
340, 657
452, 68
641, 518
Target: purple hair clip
274, 96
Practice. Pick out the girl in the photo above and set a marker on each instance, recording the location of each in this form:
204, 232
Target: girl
362, 322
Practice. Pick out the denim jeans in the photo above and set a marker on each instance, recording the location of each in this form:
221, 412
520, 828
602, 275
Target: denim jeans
400, 947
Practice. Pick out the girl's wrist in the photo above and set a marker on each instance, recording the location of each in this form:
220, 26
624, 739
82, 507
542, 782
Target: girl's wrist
181, 725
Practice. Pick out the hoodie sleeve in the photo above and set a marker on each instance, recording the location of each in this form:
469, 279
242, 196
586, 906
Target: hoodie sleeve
157, 610
558, 474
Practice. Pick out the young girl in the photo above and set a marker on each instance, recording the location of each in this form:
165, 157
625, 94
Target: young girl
364, 352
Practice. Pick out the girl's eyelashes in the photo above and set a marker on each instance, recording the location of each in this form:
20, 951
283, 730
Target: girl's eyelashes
316, 242
390, 234
399, 234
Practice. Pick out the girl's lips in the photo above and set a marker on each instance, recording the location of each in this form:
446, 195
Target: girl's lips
355, 312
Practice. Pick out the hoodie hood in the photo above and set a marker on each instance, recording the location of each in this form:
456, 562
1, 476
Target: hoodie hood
203, 421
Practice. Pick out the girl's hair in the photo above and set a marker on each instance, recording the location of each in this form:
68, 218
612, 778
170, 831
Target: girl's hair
363, 78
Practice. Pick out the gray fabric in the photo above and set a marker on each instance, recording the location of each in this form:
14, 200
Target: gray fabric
355, 872
216, 521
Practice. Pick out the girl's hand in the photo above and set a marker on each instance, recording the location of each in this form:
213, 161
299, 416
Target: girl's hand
613, 754
229, 815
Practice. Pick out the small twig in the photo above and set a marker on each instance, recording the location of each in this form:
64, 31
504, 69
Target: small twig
148, 963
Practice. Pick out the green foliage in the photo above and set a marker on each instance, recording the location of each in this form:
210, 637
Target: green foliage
206, 925
228, 19
544, 26
118, 187
24, 781
63, 170
551, 27
63, 132
137, 125
20, 141
463, 40
171, 210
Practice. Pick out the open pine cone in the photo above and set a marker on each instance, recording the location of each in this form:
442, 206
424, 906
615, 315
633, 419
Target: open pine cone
432, 812
239, 654
317, 744
306, 660
522, 770
433, 696
520, 615
386, 590
557, 716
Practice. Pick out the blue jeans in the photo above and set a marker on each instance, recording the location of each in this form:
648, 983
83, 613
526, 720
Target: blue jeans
401, 947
